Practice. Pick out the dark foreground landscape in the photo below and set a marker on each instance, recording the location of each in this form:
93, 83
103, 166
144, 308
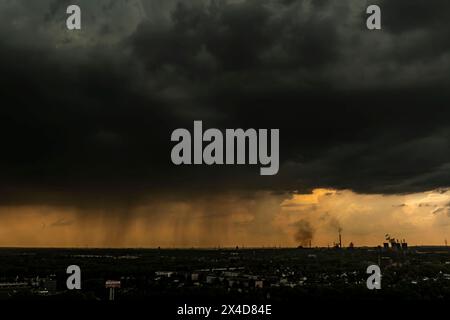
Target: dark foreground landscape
217, 275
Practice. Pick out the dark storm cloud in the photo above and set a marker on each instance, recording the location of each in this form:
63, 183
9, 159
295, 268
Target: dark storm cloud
87, 116
411, 15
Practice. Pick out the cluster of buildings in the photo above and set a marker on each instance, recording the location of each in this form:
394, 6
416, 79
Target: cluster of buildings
231, 277
259, 272
395, 244
34, 285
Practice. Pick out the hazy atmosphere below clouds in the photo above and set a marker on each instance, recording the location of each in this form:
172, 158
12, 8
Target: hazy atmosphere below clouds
87, 117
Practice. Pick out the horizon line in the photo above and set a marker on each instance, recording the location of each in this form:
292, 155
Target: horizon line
213, 248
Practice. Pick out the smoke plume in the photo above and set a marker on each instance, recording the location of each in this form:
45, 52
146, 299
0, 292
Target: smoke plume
304, 232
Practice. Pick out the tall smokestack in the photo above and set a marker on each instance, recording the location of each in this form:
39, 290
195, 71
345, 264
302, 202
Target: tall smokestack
340, 239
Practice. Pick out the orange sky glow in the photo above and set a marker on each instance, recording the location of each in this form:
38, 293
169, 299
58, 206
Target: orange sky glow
229, 220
